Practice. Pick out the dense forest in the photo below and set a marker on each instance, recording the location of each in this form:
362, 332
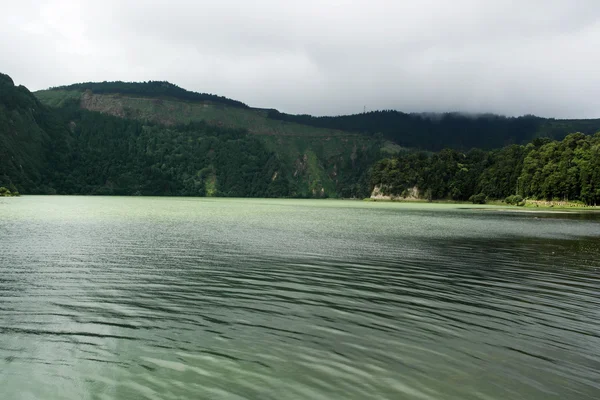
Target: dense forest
126, 157
544, 169
69, 150
421, 131
30, 134
72, 150
151, 89
450, 130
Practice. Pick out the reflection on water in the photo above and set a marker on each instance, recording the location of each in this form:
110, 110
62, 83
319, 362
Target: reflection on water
133, 298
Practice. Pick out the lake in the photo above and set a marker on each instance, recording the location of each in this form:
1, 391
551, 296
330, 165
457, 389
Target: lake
193, 298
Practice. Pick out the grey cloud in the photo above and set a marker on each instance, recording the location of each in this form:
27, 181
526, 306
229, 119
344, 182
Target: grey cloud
322, 57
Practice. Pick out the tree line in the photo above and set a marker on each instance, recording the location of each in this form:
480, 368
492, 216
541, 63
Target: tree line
434, 132
150, 89
115, 156
68, 150
544, 169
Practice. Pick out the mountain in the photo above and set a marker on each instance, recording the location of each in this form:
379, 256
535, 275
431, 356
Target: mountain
567, 170
435, 132
151, 88
167, 104
32, 139
154, 138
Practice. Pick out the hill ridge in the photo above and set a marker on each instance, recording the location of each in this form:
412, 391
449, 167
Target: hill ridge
152, 88
425, 130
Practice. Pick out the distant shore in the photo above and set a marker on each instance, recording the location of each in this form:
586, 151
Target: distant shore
529, 206
492, 205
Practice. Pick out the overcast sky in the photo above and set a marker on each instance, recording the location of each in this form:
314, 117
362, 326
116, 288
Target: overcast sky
321, 57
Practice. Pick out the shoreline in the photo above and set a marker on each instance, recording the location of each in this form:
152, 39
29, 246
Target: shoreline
500, 205
489, 206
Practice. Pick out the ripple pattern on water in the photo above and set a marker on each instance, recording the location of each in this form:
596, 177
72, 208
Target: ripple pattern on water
122, 298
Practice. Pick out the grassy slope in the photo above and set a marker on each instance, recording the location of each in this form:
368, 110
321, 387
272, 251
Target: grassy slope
173, 111
315, 155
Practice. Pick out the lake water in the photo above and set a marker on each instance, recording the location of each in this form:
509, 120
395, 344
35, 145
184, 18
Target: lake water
182, 298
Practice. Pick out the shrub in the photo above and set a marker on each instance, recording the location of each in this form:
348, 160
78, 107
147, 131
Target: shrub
478, 198
515, 200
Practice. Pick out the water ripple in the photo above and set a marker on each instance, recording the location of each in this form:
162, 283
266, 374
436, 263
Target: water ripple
113, 298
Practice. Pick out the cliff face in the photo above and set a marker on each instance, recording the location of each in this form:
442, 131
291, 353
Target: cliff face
381, 192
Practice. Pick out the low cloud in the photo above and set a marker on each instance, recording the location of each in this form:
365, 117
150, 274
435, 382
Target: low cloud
322, 57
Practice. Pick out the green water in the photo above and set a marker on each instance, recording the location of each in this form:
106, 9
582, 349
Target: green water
179, 298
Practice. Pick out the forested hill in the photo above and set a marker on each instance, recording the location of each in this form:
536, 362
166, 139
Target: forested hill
157, 89
542, 170
33, 140
169, 104
154, 139
450, 130
80, 142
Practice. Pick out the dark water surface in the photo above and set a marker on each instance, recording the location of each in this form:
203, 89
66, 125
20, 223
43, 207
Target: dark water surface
164, 298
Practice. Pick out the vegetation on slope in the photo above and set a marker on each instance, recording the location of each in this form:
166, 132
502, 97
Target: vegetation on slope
70, 150
148, 142
544, 169
123, 156
450, 130
32, 139
156, 89
316, 162
114, 156
172, 111
4, 192
119, 156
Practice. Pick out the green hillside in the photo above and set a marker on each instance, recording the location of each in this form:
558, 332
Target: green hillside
154, 138
32, 139
147, 106
160, 89
567, 170
175, 143
168, 104
318, 162
434, 132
